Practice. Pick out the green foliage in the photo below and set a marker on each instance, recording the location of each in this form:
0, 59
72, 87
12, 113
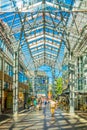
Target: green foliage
29, 100
58, 86
30, 86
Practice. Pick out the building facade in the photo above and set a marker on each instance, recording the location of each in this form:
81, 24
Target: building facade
6, 75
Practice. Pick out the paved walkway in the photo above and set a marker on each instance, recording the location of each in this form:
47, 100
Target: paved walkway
4, 118
36, 120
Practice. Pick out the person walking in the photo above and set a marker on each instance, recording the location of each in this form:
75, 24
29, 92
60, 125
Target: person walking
52, 107
35, 104
44, 106
40, 103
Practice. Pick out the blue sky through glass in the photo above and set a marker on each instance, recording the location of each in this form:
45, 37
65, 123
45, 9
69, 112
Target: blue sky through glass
48, 71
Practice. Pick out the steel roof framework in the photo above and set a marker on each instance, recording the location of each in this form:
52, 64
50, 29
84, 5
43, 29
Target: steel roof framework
40, 27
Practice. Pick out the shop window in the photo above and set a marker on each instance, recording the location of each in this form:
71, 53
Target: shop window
9, 102
6, 85
79, 87
6, 68
10, 70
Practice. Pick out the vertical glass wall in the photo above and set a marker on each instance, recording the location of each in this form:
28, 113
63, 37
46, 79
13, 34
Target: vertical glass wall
4, 48
21, 75
85, 72
80, 73
8, 69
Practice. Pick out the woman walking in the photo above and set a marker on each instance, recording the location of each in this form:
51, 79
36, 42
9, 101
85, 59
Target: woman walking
52, 107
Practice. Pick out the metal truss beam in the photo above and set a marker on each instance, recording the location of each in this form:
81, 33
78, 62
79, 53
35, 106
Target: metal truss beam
42, 36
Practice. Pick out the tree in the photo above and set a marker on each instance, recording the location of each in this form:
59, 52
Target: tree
30, 86
58, 86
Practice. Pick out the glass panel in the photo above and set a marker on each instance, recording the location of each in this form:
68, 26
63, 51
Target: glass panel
6, 69
6, 85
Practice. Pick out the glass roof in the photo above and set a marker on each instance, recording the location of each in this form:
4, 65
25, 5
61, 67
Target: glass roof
38, 28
